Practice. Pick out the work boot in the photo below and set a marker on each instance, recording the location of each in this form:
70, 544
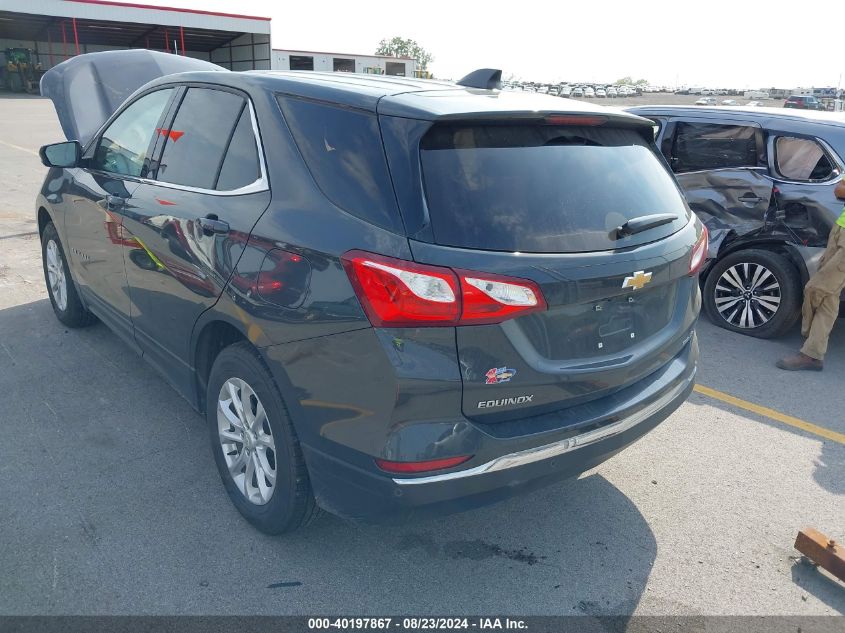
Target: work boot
799, 362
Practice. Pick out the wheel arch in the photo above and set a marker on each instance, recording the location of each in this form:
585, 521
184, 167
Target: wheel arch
211, 337
772, 243
44, 218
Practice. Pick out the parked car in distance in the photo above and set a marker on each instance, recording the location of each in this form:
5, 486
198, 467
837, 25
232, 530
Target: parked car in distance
612, 92
803, 102
729, 102
706, 101
601, 93
755, 104
762, 180
326, 279
577, 92
589, 92
566, 91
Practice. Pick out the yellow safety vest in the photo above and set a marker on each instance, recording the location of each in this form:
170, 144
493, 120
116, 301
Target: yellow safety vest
841, 220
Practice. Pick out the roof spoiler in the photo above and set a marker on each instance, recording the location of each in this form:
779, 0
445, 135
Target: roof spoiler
485, 78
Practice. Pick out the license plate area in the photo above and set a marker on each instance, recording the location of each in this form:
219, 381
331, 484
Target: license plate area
603, 327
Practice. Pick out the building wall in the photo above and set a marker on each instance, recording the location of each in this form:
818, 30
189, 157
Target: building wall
58, 56
247, 52
325, 62
141, 14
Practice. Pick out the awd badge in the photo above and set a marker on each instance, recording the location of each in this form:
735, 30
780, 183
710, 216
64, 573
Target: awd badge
498, 375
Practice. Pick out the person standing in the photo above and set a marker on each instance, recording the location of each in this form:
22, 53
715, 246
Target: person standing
821, 300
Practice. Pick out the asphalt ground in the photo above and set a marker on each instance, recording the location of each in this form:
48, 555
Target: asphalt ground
110, 502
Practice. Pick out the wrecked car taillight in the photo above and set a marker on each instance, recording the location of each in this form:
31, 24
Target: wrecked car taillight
699, 252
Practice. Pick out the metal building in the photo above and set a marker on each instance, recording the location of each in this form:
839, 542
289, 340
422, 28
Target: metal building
343, 62
55, 30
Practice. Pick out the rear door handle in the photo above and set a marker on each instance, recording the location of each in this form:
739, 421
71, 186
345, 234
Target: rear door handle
210, 225
750, 199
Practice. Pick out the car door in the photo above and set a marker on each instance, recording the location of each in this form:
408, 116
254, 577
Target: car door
721, 167
806, 173
191, 220
100, 192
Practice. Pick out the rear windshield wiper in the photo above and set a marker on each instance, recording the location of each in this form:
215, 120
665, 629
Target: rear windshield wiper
644, 223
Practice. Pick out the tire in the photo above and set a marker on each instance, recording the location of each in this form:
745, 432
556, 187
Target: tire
285, 501
730, 288
60, 287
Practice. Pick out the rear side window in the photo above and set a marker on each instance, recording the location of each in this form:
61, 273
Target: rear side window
802, 159
700, 146
122, 149
240, 166
343, 150
195, 144
543, 189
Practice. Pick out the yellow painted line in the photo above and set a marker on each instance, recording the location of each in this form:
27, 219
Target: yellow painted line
777, 416
23, 149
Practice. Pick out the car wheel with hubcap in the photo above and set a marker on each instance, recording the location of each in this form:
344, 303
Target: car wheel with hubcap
60, 287
754, 292
255, 445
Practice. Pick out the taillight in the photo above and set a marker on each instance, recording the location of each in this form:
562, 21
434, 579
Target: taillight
699, 252
492, 298
399, 293
421, 467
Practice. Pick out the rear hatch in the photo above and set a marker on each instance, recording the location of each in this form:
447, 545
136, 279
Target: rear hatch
543, 201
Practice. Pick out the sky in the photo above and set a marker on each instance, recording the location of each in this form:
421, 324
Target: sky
713, 43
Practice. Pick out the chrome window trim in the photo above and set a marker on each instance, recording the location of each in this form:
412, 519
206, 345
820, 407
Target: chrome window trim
548, 451
832, 156
261, 184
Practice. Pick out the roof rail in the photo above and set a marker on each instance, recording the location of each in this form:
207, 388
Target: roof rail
486, 78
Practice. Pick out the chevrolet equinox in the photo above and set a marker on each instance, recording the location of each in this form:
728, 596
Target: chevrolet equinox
389, 297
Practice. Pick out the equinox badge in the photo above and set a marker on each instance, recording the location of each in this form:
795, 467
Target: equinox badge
637, 280
489, 404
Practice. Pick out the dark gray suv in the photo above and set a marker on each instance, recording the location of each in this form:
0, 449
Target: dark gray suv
389, 297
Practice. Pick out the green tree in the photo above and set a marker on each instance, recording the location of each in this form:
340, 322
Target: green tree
624, 81
401, 47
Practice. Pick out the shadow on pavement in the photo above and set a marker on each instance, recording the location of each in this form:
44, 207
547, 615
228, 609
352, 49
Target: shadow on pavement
112, 505
819, 583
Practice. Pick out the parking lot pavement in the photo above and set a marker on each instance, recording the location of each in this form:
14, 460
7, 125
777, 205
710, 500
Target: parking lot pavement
111, 502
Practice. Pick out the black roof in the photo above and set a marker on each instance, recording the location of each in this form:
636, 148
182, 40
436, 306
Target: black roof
405, 96
835, 119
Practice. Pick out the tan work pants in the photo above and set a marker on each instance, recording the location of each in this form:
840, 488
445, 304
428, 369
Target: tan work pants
821, 296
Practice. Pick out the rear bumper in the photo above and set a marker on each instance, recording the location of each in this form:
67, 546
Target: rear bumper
353, 492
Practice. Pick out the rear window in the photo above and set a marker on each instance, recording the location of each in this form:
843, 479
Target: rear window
343, 150
544, 189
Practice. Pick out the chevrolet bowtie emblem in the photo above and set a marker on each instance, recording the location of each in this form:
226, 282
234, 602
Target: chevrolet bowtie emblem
637, 280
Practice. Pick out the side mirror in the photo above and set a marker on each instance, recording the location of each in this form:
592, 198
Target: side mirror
65, 154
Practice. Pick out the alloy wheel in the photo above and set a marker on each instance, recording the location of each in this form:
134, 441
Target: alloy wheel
247, 441
56, 275
747, 295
